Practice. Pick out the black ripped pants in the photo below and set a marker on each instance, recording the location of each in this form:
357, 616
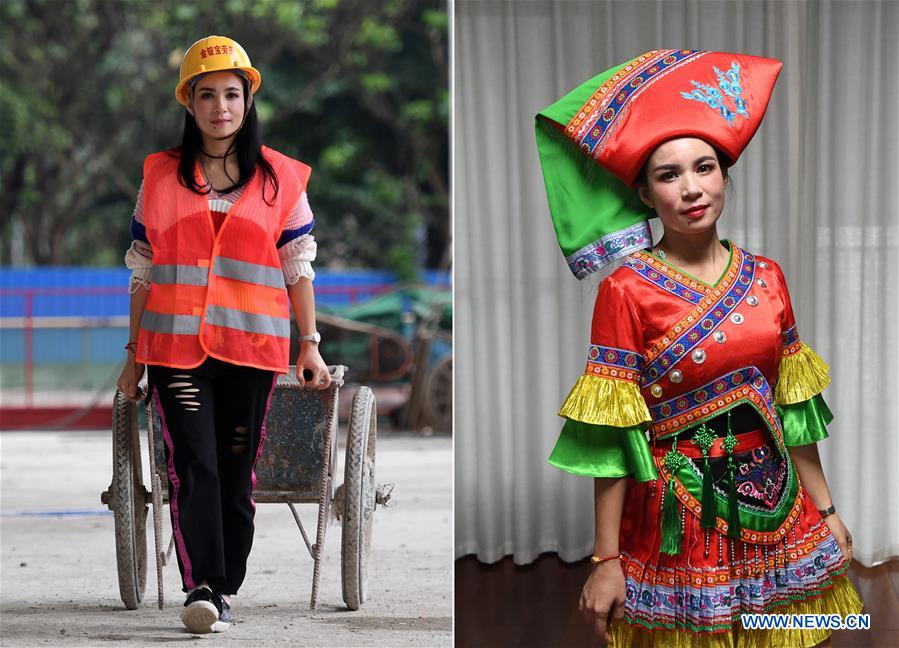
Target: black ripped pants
212, 428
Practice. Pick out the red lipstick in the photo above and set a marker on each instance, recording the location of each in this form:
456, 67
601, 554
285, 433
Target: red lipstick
697, 211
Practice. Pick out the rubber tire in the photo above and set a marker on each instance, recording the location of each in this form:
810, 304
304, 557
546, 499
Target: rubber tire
128, 503
359, 497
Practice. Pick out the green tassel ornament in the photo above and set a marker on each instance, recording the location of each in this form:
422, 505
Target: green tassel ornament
671, 531
705, 439
733, 509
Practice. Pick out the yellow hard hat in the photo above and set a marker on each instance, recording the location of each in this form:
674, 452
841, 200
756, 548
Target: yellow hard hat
214, 54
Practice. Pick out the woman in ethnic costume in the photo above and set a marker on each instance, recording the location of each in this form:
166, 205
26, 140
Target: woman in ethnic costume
693, 344
221, 252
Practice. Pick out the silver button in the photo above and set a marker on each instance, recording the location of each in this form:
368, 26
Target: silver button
762, 264
752, 300
698, 356
656, 391
761, 282
736, 318
720, 337
676, 376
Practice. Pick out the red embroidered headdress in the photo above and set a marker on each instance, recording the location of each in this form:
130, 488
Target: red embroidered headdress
618, 118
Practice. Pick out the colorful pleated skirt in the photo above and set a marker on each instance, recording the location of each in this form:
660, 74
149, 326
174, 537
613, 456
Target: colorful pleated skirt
696, 598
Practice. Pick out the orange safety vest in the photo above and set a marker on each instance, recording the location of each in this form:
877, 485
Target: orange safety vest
220, 295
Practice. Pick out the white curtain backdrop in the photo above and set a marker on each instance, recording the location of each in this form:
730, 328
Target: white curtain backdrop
816, 190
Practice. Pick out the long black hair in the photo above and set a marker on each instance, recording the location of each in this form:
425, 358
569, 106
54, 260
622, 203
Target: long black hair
247, 145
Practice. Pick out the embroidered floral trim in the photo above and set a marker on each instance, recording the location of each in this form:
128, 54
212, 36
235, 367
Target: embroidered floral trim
665, 278
708, 599
687, 576
587, 110
701, 322
615, 357
610, 362
715, 389
605, 371
714, 398
790, 341
596, 118
603, 251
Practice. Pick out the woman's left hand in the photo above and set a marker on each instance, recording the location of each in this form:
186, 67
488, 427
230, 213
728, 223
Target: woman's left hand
311, 360
841, 534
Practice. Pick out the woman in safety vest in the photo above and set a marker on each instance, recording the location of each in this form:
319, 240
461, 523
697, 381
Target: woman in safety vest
221, 250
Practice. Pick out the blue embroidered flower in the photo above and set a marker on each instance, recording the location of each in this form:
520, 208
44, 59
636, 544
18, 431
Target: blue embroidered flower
729, 84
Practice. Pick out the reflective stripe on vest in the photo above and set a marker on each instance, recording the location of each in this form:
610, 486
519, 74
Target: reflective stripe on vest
218, 316
253, 273
165, 323
249, 322
189, 275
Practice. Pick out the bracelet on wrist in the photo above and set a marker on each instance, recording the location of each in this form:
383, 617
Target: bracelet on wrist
596, 560
830, 510
131, 348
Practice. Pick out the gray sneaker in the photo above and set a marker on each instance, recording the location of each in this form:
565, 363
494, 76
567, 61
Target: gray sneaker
225, 619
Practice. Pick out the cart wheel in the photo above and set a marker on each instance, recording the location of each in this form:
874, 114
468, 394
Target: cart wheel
439, 395
129, 503
359, 497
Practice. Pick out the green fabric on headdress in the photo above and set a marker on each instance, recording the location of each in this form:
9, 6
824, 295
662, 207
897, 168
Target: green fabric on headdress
597, 217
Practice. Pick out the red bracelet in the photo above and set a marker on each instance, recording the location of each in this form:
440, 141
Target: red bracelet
596, 560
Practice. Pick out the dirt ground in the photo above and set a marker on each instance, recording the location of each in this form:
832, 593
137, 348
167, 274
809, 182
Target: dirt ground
58, 585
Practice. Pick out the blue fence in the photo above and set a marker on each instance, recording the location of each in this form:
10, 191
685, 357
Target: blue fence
78, 316
101, 292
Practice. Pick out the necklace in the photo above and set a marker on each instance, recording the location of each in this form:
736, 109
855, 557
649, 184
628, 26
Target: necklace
218, 157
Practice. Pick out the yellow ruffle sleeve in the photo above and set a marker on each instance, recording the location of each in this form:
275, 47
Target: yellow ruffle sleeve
605, 401
801, 375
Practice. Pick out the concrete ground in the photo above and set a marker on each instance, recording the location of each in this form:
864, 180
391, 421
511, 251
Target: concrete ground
58, 585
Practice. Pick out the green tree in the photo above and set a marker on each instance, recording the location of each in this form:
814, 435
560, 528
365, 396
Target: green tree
356, 89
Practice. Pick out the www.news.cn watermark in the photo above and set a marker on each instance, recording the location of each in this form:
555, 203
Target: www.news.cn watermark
805, 622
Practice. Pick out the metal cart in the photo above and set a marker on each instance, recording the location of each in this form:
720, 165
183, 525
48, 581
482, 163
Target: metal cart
296, 467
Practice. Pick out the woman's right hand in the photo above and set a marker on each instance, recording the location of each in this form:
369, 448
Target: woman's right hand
602, 598
128, 380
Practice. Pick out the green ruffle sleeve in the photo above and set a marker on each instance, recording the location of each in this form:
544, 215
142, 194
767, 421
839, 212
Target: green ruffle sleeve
603, 451
805, 422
